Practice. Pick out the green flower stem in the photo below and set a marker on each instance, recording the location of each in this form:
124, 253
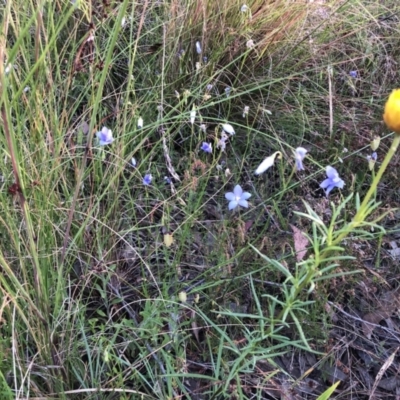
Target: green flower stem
361, 212
359, 217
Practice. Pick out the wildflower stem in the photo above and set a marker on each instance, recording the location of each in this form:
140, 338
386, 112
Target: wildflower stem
363, 207
361, 213
287, 181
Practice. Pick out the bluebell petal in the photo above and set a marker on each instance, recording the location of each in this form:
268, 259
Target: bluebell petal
299, 165
328, 190
232, 204
238, 191
339, 184
331, 172
230, 196
245, 196
326, 183
243, 203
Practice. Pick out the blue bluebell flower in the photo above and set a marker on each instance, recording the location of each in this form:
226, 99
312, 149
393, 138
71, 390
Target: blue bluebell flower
237, 198
207, 147
372, 160
333, 180
105, 136
353, 74
299, 155
147, 179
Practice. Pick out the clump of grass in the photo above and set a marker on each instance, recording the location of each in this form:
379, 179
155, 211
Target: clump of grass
112, 287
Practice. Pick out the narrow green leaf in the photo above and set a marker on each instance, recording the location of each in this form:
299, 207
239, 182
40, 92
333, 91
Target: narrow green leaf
328, 392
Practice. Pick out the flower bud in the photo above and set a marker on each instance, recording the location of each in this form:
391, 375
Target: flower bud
375, 143
182, 296
267, 163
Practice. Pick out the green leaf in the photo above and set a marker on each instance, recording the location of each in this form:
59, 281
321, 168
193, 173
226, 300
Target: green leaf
327, 394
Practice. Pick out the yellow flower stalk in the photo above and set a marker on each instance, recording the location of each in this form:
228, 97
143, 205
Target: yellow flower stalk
392, 111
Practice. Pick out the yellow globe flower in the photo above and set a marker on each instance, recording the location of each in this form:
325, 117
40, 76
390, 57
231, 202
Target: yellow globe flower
392, 111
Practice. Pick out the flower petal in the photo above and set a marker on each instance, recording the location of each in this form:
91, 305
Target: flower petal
207, 147
299, 165
267, 163
238, 191
147, 179
340, 184
243, 203
230, 196
301, 152
228, 128
331, 172
245, 195
326, 183
232, 204
198, 47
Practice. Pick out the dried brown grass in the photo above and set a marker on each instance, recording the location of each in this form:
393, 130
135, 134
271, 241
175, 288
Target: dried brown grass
223, 29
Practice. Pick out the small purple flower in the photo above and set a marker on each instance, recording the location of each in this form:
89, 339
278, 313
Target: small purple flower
167, 180
147, 179
207, 147
332, 181
237, 198
105, 136
353, 74
372, 160
299, 155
